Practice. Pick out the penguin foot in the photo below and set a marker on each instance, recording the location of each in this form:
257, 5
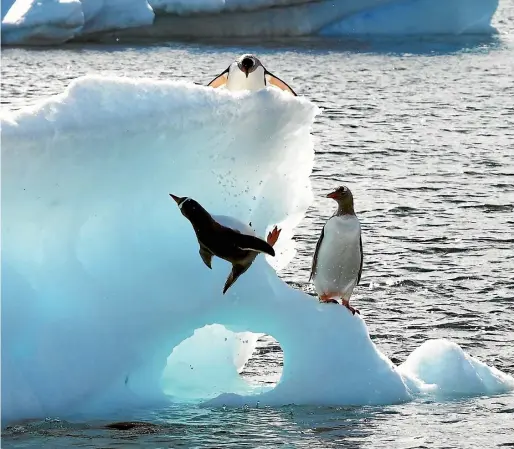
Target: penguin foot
349, 307
273, 236
328, 298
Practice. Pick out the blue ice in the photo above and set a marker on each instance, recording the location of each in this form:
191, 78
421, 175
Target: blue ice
106, 302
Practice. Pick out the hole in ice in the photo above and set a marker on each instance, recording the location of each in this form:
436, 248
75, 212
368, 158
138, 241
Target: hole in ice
215, 360
267, 368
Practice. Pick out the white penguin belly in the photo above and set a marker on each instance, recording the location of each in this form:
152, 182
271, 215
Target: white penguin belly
237, 80
339, 257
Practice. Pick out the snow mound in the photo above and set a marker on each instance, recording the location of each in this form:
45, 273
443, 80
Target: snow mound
106, 303
446, 370
57, 21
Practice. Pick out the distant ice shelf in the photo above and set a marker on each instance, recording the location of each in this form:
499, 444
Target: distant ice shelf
40, 22
106, 303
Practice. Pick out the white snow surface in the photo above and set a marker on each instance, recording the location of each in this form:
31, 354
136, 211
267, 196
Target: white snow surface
57, 21
106, 303
444, 369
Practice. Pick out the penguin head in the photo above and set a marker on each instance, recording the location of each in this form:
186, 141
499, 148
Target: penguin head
188, 207
344, 199
248, 63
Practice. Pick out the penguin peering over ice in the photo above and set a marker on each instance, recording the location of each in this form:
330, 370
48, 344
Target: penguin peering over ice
248, 73
337, 262
224, 242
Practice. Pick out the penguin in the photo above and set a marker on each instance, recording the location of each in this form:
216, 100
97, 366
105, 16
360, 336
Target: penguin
248, 73
224, 242
337, 263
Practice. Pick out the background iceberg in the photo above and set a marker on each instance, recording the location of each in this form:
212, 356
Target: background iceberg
418, 17
57, 21
105, 300
36, 22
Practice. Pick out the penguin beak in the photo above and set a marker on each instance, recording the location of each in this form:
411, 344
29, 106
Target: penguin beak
245, 70
176, 198
245, 65
332, 195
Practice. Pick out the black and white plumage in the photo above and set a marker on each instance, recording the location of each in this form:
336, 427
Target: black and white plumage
227, 243
338, 258
248, 73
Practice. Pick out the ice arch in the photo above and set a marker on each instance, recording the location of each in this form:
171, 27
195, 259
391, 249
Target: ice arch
208, 364
101, 277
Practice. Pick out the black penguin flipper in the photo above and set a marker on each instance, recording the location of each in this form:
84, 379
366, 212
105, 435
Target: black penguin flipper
237, 270
315, 257
206, 256
276, 81
362, 260
251, 243
220, 80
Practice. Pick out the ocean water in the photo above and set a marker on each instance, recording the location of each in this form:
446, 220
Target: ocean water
422, 131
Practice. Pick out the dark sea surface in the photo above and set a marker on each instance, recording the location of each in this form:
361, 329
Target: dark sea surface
422, 131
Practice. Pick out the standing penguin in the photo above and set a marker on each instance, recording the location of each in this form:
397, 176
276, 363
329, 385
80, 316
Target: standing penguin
224, 242
248, 73
337, 262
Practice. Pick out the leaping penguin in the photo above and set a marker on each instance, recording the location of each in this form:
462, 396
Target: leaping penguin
226, 243
248, 73
337, 262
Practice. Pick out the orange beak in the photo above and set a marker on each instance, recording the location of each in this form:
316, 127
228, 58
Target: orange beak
176, 198
332, 195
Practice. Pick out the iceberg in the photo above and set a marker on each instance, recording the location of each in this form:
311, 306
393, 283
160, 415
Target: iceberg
445, 370
418, 17
106, 303
32, 22
43, 22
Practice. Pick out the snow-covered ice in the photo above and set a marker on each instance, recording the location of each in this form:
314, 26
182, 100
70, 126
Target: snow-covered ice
57, 21
39, 22
444, 369
42, 21
106, 302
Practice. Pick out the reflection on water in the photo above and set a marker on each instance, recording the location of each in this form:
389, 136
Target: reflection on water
415, 425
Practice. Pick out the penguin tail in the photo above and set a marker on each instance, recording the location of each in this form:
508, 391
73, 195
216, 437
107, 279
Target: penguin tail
251, 243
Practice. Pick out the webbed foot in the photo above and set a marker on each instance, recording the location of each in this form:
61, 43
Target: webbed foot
349, 307
273, 236
328, 298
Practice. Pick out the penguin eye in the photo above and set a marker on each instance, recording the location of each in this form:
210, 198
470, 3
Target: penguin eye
183, 202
